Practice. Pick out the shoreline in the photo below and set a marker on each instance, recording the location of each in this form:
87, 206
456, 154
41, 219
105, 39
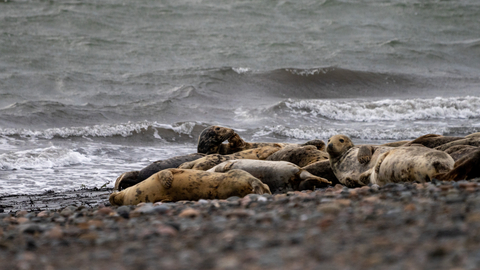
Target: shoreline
398, 226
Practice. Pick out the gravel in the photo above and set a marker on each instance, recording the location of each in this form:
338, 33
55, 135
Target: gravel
398, 226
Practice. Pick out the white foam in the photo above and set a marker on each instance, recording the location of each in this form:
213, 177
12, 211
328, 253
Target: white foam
367, 133
122, 129
241, 70
309, 72
388, 109
42, 158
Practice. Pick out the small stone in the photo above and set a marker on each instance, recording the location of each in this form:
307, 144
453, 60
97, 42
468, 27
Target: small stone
375, 187
329, 208
190, 213
240, 213
21, 220
371, 199
445, 187
202, 201
245, 201
124, 211
262, 199
343, 202
66, 212
104, 211
160, 209
465, 185
55, 233
43, 214
410, 207
30, 228
89, 236
166, 230
21, 213
233, 199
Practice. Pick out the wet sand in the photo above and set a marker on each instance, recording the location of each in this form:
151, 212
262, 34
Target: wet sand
399, 226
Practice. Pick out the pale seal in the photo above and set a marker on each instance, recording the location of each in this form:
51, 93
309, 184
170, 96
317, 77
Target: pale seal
380, 165
210, 161
176, 185
299, 155
280, 176
129, 179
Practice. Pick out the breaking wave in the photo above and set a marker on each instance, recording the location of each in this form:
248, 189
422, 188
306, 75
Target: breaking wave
388, 109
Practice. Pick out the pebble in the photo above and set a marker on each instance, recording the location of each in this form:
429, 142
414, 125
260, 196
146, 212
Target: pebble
190, 213
105, 211
43, 214
329, 208
124, 211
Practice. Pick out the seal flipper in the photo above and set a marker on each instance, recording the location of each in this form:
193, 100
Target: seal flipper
364, 178
126, 180
116, 198
364, 154
305, 176
311, 184
166, 178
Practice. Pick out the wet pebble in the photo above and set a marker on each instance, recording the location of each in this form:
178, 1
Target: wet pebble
189, 213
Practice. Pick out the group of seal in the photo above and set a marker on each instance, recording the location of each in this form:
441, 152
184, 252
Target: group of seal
219, 170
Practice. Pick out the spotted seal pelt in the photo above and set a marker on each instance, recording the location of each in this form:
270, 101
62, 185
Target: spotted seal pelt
352, 164
177, 184
129, 179
322, 169
471, 140
433, 140
459, 151
211, 139
280, 176
210, 161
468, 167
299, 155
380, 165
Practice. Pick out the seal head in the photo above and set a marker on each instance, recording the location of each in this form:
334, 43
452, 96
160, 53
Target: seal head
338, 145
211, 139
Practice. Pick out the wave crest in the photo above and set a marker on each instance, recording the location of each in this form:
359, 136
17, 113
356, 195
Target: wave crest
388, 110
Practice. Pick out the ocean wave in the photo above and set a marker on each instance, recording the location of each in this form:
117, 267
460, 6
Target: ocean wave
41, 158
388, 109
154, 129
368, 133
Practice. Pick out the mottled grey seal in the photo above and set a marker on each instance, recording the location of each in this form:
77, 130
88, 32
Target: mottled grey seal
459, 151
176, 184
211, 139
352, 164
380, 165
471, 140
299, 155
433, 140
129, 179
322, 169
210, 161
280, 176
468, 167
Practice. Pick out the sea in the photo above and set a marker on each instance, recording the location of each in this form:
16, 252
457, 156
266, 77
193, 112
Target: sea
94, 88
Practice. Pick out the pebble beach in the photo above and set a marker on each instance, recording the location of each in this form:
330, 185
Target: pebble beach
433, 225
